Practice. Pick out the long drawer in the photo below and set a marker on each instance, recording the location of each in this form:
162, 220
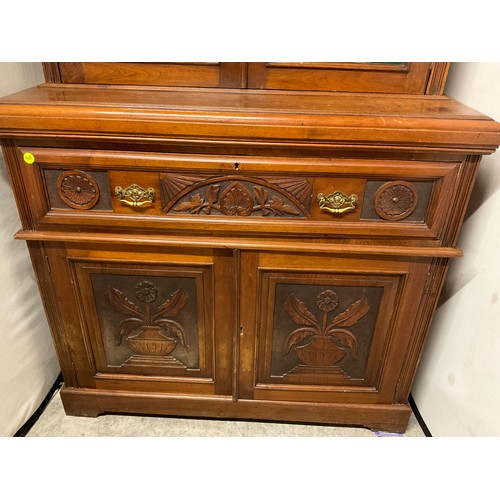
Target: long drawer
306, 196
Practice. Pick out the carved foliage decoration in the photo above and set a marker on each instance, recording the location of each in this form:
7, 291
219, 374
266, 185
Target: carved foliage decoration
396, 200
77, 189
149, 332
329, 339
236, 196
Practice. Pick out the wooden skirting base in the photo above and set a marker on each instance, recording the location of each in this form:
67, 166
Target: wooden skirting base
91, 403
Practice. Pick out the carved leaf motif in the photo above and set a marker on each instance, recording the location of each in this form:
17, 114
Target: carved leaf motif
194, 203
172, 306
297, 336
277, 205
261, 198
347, 339
260, 195
212, 193
120, 302
173, 328
299, 312
126, 326
352, 315
236, 200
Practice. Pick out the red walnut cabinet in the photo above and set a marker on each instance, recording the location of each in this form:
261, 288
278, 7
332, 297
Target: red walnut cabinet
242, 240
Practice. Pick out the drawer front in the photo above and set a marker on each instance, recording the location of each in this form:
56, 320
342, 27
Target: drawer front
358, 198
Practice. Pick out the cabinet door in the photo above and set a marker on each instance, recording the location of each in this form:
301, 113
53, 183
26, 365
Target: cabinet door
187, 74
327, 329
397, 77
145, 319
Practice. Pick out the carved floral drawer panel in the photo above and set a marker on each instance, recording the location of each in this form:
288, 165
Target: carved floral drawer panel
281, 195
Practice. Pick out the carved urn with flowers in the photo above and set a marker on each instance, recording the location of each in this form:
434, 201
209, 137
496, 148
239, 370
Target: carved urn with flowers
329, 340
149, 332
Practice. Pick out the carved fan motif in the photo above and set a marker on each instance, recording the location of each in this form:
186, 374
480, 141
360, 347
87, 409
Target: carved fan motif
300, 188
236, 200
172, 185
77, 190
396, 200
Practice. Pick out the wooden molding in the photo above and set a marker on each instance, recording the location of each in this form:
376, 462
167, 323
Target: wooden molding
51, 72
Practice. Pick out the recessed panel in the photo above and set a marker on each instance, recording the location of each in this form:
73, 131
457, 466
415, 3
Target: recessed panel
77, 189
148, 320
324, 329
396, 200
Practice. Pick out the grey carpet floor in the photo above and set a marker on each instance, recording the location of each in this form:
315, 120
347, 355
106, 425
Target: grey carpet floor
55, 423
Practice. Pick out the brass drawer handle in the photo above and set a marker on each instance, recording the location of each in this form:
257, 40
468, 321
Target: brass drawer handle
137, 196
337, 203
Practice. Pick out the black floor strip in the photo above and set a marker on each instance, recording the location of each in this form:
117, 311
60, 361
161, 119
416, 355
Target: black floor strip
419, 418
38, 412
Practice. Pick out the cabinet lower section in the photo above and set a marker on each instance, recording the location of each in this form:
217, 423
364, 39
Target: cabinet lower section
228, 333
91, 403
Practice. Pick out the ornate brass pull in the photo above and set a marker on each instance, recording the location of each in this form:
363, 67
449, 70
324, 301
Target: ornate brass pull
337, 203
137, 196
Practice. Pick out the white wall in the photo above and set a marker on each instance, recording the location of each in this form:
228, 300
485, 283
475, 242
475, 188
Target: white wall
457, 387
28, 365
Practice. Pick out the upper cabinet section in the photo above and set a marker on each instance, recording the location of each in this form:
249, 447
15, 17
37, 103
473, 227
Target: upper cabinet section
192, 74
389, 77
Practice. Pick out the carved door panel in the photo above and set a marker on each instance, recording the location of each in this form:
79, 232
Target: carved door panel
331, 329
150, 319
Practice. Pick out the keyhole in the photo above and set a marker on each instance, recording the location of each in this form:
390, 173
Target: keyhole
236, 166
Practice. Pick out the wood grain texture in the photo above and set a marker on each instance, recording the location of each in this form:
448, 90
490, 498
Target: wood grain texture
151, 74
274, 188
409, 78
91, 403
422, 123
305, 246
404, 78
230, 292
437, 78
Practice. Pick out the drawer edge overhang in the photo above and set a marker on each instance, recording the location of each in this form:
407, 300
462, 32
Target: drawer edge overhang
192, 241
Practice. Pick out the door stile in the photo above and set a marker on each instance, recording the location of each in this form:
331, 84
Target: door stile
248, 298
237, 328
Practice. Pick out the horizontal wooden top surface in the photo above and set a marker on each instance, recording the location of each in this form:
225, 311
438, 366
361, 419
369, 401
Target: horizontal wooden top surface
271, 117
246, 101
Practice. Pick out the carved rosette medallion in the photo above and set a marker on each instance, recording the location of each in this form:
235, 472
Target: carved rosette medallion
318, 342
396, 200
78, 190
